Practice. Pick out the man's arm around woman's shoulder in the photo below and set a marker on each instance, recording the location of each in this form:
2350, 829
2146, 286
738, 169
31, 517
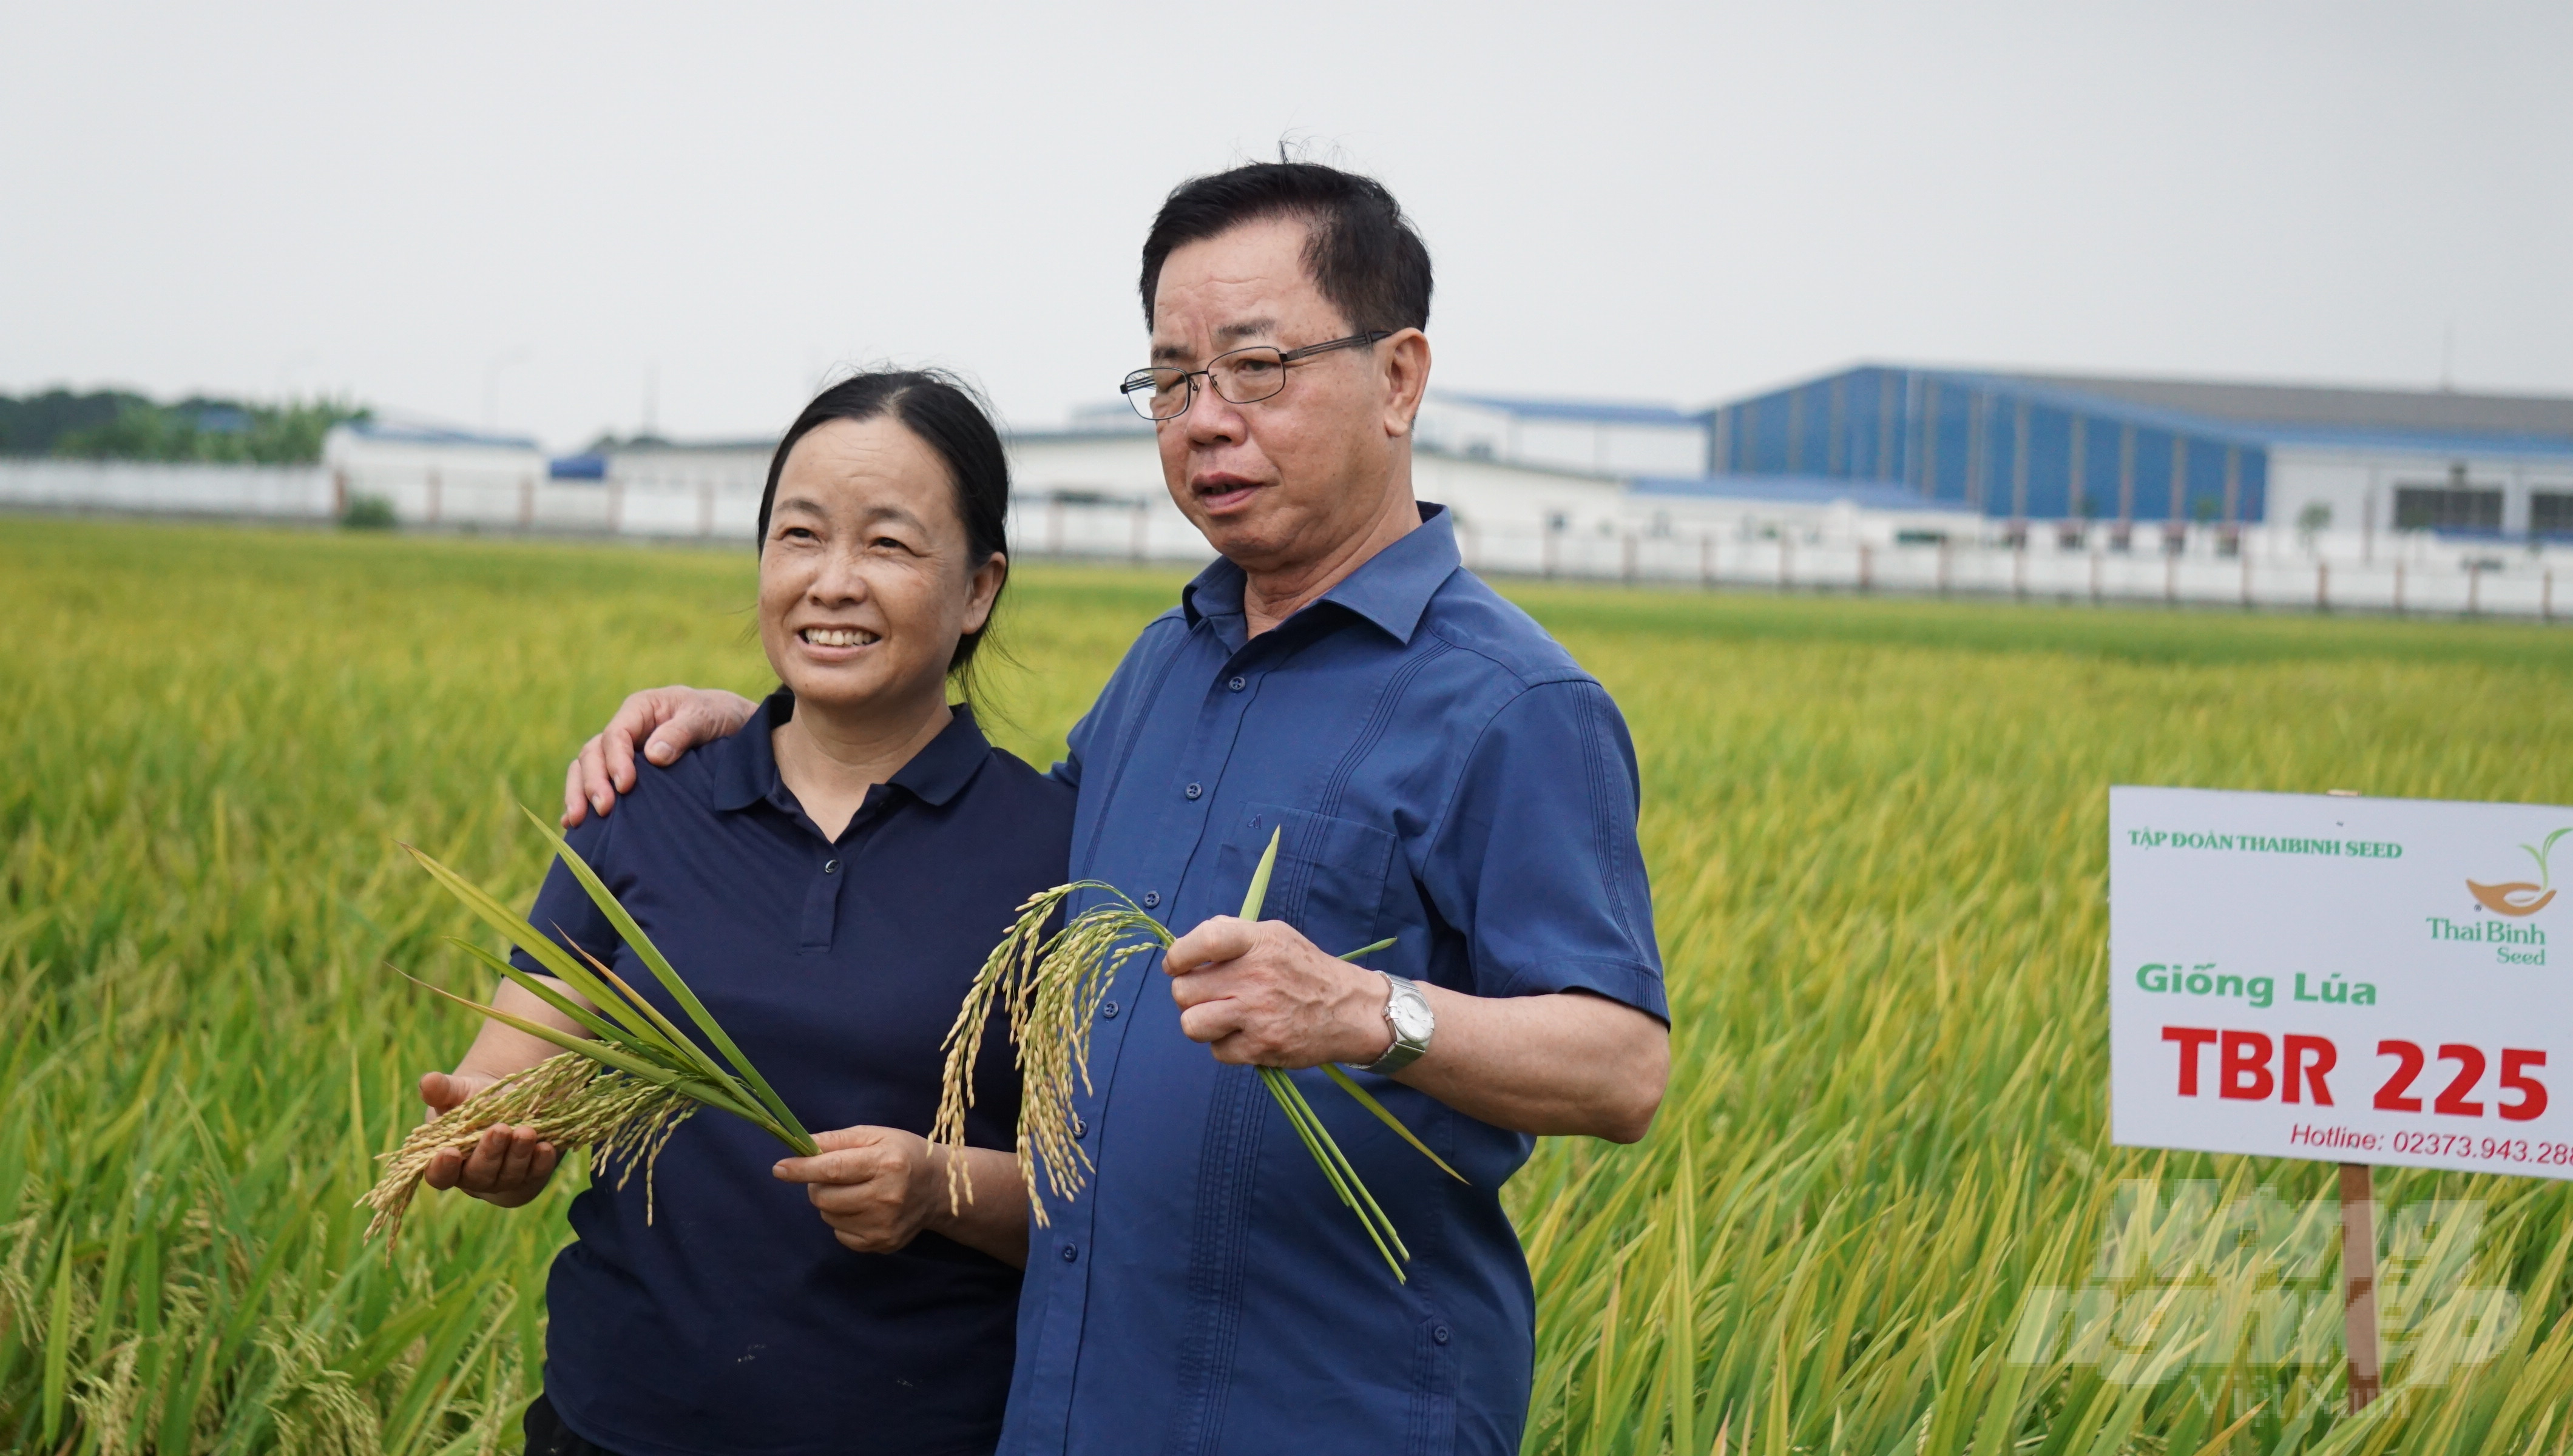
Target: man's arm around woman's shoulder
665, 722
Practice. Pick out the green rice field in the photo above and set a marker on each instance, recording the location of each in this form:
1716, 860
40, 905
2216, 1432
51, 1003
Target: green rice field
1877, 833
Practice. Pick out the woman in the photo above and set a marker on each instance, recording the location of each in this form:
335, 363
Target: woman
828, 881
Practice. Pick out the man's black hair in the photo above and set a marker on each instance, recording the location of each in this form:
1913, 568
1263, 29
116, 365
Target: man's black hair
1361, 250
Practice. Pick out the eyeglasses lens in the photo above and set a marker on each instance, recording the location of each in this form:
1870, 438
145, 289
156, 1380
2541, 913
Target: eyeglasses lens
1157, 394
1247, 375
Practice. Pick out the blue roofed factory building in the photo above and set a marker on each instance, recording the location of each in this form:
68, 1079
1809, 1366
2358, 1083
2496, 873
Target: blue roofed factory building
2181, 456
2001, 445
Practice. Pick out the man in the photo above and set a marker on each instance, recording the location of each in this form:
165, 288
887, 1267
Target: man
1438, 771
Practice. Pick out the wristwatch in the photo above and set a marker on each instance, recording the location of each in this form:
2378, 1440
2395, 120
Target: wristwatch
1406, 1012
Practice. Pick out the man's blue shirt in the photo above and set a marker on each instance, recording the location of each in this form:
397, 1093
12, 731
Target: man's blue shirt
1444, 774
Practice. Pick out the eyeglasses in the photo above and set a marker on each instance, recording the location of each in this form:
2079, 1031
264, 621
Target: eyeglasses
1243, 377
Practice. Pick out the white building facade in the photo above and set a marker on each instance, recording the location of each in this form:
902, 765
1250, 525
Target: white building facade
1875, 478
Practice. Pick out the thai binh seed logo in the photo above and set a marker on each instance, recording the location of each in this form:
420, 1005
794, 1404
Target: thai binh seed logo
2519, 898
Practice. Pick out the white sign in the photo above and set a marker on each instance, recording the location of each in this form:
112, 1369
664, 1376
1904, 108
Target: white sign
2379, 981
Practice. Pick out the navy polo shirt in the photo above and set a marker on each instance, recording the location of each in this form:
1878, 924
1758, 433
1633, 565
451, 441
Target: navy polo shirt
1445, 775
733, 1321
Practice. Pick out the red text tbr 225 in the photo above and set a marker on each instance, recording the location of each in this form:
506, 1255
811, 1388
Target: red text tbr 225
2254, 1067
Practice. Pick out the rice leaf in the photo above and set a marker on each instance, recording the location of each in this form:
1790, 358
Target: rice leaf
1326, 1153
680, 1042
1331, 1173
541, 987
611, 1055
667, 975
541, 948
1259, 892
1348, 1084
1343, 1180
628, 1034
1313, 1145
58, 1343
1293, 1097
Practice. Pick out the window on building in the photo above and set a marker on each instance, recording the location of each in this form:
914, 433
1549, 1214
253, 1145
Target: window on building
2550, 512
2447, 509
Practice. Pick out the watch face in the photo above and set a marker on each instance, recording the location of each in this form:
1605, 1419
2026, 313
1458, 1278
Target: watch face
1411, 1019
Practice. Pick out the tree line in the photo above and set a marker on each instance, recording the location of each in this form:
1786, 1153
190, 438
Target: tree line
114, 425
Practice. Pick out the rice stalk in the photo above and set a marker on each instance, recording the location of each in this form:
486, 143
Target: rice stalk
622, 1088
569, 1100
1052, 986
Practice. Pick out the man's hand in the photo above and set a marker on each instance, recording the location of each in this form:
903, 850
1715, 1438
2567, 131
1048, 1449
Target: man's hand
1563, 1063
670, 721
876, 1187
510, 1166
1260, 995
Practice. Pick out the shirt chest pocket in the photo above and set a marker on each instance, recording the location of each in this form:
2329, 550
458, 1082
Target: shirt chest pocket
1329, 881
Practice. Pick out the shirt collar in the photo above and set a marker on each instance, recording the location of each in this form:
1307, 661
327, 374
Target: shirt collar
1390, 588
744, 767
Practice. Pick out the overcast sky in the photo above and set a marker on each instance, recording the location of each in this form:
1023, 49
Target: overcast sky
566, 215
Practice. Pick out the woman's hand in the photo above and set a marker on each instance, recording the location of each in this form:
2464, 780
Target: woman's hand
879, 1187
508, 1168
872, 1184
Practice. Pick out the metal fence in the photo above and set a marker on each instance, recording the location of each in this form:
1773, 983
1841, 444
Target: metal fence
2414, 574
2467, 583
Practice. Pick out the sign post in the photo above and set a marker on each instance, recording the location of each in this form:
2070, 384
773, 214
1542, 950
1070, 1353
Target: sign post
2358, 1281
2360, 981
2359, 1264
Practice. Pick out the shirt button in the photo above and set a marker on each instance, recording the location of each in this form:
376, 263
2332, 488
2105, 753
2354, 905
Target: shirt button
1071, 1254
1238, 683
830, 867
1195, 789
1080, 1129
1152, 898
1107, 1009
1440, 1333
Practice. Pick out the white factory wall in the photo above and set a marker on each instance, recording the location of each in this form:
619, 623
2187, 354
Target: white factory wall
730, 466
1583, 446
509, 462
1838, 523
1516, 518
1072, 488
442, 481
1097, 493
1112, 465
148, 489
2357, 486
1100, 495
